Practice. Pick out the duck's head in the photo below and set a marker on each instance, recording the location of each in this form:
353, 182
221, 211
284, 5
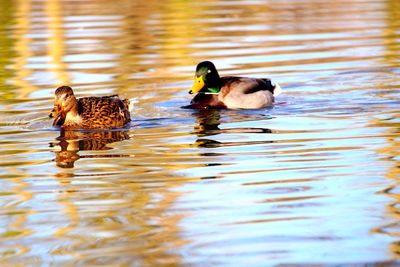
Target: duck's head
64, 101
206, 79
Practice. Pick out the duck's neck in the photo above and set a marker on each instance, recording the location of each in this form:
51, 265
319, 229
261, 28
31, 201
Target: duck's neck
72, 117
213, 86
214, 90
72, 107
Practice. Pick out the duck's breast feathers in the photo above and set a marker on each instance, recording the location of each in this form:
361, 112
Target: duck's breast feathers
245, 85
201, 101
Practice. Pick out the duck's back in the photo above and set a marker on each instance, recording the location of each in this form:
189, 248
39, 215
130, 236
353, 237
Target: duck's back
245, 85
103, 112
246, 93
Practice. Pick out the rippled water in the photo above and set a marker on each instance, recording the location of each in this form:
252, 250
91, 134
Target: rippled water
312, 180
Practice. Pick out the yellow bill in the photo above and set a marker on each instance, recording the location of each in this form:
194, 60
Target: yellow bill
197, 86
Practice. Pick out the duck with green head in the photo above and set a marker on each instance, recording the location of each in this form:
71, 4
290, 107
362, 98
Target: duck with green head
213, 91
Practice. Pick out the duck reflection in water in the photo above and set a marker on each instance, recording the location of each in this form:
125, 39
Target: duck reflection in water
208, 124
71, 142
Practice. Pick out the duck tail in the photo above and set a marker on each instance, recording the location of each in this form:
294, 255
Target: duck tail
277, 89
127, 109
129, 105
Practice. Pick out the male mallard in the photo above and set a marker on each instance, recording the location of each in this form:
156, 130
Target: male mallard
230, 92
105, 112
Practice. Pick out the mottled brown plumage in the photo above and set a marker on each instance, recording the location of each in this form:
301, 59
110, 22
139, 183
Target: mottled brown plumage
106, 112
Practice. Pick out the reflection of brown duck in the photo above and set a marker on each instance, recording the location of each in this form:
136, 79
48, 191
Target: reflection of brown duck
71, 142
105, 112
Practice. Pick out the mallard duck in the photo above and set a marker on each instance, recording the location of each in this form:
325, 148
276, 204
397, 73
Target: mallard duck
230, 92
104, 112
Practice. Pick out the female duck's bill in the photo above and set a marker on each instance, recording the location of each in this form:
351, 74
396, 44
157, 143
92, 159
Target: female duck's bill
230, 92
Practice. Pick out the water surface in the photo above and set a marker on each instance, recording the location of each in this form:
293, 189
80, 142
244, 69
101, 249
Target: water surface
312, 180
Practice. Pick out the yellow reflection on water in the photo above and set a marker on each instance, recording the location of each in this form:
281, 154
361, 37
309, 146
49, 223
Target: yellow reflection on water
71, 142
392, 30
390, 154
23, 48
391, 122
125, 218
56, 44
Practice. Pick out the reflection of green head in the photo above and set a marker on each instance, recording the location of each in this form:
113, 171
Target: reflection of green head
206, 79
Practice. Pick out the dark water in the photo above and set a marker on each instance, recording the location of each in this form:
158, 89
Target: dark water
312, 180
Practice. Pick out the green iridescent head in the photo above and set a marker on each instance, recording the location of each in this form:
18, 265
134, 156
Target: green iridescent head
206, 79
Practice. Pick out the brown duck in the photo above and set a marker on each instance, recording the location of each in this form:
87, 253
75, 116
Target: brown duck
106, 112
213, 91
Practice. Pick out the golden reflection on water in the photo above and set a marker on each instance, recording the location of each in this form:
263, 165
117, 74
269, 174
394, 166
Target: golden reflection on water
125, 219
22, 48
390, 154
391, 44
392, 123
71, 142
133, 229
56, 44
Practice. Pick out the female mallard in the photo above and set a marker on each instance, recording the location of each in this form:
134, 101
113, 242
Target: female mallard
230, 92
105, 112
